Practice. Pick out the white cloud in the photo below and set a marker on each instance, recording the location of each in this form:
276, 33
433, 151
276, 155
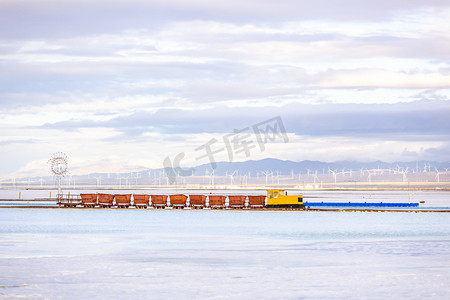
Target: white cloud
385, 79
357, 149
138, 77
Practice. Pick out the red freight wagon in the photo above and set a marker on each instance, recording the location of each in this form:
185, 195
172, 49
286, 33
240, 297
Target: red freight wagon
105, 200
216, 201
178, 201
197, 201
159, 201
123, 200
141, 201
236, 201
89, 200
256, 201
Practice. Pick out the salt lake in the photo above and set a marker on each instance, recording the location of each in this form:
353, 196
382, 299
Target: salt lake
222, 254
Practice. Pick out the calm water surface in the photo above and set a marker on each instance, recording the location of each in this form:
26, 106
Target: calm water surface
161, 254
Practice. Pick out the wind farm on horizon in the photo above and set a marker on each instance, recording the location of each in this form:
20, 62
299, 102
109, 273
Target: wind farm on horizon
428, 177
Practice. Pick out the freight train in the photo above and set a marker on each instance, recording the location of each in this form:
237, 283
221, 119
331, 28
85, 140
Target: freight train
275, 199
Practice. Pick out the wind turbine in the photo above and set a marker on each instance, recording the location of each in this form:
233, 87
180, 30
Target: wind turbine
98, 181
211, 178
137, 177
126, 181
315, 177
231, 177
267, 173
369, 176
167, 175
334, 174
246, 175
437, 175
404, 175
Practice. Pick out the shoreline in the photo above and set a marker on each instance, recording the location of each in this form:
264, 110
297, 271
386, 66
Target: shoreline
343, 186
234, 209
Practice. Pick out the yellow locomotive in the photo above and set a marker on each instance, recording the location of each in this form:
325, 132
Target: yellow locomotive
280, 198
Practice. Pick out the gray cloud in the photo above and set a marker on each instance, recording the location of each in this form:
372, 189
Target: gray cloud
398, 121
9, 142
437, 153
38, 19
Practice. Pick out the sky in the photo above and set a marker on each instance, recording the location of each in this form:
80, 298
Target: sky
122, 86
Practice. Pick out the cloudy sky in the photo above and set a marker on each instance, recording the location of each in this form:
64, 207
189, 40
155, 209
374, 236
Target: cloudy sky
121, 85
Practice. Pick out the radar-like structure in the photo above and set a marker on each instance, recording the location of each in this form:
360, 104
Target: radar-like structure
59, 166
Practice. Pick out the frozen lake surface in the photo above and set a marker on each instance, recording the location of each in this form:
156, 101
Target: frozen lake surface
164, 254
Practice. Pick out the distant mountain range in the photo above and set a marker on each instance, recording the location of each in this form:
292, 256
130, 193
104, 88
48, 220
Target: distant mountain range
285, 167
254, 168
